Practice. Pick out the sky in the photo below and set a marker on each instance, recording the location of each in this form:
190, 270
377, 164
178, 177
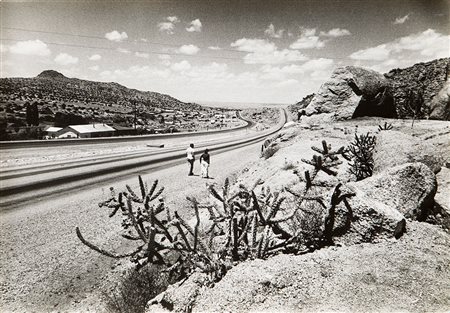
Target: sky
220, 51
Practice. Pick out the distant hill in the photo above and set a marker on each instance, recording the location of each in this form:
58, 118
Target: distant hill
57, 100
53, 86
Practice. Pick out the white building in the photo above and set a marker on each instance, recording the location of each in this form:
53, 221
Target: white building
86, 131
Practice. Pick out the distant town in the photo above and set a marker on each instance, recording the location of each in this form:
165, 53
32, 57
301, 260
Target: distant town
52, 106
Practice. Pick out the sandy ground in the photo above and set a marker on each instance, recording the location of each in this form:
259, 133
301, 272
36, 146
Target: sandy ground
43, 266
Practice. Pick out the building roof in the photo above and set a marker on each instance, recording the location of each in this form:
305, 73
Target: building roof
91, 128
52, 129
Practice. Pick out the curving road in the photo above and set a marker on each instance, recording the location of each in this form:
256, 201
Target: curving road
26, 183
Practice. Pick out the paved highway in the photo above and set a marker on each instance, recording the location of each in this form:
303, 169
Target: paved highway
25, 183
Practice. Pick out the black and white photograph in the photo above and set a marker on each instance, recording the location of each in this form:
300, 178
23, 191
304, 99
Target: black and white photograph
224, 156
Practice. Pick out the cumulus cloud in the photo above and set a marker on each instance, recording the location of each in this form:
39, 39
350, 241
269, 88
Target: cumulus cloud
270, 31
181, 66
264, 52
336, 32
214, 48
195, 26
66, 59
94, 68
275, 57
378, 53
188, 49
401, 20
169, 26
95, 57
142, 55
30, 47
428, 43
173, 19
116, 36
314, 68
254, 45
418, 47
308, 40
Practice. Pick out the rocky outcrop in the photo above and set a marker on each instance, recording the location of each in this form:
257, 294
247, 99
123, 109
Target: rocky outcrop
440, 105
352, 92
360, 278
407, 188
420, 91
395, 148
301, 105
415, 87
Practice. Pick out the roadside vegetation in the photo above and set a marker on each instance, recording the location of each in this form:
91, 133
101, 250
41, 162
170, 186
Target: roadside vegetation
239, 224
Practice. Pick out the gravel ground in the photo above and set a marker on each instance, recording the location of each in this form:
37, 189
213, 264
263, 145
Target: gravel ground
43, 266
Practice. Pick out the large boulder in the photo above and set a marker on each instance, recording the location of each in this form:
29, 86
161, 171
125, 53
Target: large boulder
442, 196
407, 188
352, 92
410, 274
394, 148
440, 105
442, 199
368, 221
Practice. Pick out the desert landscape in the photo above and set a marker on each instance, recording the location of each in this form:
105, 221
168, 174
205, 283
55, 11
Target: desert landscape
318, 179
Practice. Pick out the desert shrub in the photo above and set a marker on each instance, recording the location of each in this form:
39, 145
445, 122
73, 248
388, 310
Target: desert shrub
270, 151
136, 288
360, 152
288, 165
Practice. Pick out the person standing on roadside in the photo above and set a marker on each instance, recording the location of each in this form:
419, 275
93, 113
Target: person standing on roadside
190, 154
204, 163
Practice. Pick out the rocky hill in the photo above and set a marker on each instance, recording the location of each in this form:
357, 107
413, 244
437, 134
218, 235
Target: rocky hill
415, 87
420, 91
53, 86
61, 101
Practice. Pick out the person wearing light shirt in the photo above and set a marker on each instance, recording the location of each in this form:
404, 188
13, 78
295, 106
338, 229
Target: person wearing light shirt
204, 163
190, 154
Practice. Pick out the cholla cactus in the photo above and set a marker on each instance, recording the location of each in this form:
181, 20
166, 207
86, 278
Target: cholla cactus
166, 239
361, 151
326, 162
250, 223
